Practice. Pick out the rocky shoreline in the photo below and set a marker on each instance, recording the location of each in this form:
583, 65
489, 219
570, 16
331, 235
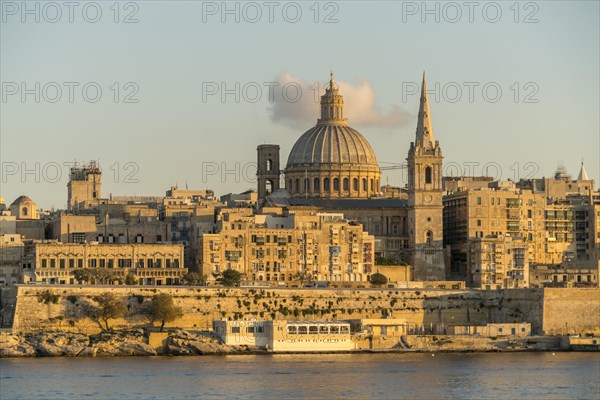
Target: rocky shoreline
135, 342
132, 342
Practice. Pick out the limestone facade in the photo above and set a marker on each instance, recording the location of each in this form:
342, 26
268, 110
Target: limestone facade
283, 249
151, 264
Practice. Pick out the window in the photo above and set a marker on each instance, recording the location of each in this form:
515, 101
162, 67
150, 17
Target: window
24, 211
336, 184
316, 186
44, 263
346, 184
61, 263
364, 184
302, 330
326, 184
355, 184
78, 237
479, 201
139, 238
235, 329
292, 330
428, 175
297, 189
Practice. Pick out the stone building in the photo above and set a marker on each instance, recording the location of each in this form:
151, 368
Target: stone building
333, 168
11, 256
425, 216
332, 160
288, 249
84, 187
497, 262
150, 264
557, 220
24, 208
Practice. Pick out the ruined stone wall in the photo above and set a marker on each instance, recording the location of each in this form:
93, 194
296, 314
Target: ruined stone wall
60, 307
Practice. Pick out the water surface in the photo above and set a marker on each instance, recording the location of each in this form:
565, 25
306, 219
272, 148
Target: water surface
344, 376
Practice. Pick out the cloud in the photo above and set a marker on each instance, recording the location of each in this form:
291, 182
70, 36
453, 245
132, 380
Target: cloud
295, 103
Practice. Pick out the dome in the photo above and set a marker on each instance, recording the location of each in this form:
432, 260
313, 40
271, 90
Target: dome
331, 144
23, 200
332, 160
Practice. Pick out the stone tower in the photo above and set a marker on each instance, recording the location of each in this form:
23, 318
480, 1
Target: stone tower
84, 185
267, 171
425, 209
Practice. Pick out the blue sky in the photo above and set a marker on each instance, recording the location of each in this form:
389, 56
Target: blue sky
548, 72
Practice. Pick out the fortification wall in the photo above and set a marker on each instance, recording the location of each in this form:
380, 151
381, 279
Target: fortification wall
60, 308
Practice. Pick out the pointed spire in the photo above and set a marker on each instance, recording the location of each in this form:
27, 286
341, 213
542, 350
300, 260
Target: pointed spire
424, 127
583, 176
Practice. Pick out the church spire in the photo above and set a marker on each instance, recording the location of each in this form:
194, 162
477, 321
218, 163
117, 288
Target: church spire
332, 105
424, 127
583, 176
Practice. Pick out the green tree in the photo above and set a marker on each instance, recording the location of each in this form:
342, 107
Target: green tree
378, 279
193, 278
130, 279
108, 307
230, 277
163, 309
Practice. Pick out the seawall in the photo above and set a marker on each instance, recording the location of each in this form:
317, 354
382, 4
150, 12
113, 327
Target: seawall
551, 311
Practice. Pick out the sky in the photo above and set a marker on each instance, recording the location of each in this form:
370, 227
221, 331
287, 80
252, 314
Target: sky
181, 92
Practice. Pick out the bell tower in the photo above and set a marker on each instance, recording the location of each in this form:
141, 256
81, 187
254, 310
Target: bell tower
268, 171
425, 208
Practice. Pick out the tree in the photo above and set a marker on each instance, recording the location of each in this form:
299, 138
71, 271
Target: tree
109, 307
231, 277
130, 279
378, 279
194, 278
163, 309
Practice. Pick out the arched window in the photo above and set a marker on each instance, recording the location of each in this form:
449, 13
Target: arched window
336, 184
355, 184
326, 184
377, 187
346, 184
24, 211
316, 185
372, 189
429, 238
290, 188
269, 186
428, 175
307, 185
365, 188
269, 165
297, 189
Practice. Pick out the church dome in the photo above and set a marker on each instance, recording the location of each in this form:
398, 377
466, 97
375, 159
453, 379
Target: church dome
23, 200
331, 144
332, 160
